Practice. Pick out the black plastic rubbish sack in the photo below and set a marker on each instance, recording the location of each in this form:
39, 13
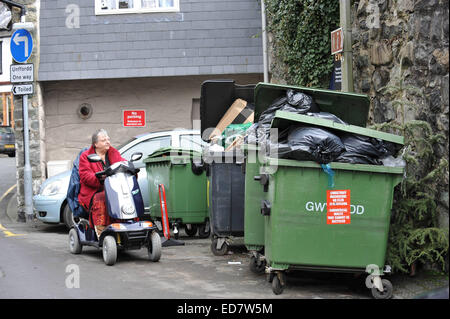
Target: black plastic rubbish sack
295, 102
316, 144
364, 150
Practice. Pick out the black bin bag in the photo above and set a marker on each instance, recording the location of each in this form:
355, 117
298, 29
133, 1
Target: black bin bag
295, 102
314, 144
361, 149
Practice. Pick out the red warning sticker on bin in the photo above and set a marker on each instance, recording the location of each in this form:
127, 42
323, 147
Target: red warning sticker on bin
338, 207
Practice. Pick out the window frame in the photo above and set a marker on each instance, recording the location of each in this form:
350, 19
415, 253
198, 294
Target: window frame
137, 9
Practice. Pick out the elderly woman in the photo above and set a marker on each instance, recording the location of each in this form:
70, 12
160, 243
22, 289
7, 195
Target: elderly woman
91, 193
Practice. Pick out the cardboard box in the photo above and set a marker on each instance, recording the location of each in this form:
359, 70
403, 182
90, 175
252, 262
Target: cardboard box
237, 112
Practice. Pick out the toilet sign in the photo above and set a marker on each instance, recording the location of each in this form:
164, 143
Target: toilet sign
338, 207
134, 118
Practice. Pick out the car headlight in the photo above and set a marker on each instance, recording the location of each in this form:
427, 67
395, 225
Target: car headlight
51, 188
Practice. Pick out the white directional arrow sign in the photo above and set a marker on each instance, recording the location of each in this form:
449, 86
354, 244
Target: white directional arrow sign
17, 39
23, 89
21, 45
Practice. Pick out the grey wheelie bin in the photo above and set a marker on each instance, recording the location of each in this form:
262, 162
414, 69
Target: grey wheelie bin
225, 170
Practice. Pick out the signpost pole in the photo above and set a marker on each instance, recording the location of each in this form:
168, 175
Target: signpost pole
27, 172
21, 49
347, 59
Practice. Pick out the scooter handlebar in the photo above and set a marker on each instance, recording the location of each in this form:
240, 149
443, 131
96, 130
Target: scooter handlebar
99, 174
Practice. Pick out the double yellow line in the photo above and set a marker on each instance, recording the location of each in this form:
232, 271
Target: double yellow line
2, 228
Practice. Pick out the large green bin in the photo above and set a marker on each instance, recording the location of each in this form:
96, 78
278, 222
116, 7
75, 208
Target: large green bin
351, 107
296, 231
185, 187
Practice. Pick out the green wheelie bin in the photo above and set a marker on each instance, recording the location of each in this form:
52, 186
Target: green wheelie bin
304, 230
184, 181
340, 104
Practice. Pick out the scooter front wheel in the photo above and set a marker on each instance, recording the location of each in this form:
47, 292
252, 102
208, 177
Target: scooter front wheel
109, 250
74, 242
154, 247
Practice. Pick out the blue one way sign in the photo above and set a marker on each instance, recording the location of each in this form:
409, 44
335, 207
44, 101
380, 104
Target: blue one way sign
21, 45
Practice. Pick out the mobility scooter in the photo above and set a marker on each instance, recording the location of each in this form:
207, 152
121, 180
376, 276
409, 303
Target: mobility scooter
125, 206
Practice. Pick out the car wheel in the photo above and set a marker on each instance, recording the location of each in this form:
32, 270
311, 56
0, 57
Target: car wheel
67, 216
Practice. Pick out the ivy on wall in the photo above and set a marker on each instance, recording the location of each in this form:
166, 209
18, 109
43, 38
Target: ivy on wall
415, 237
301, 38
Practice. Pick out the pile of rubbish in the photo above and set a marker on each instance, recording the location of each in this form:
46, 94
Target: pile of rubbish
300, 141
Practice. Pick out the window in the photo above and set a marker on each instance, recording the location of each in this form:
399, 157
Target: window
147, 147
195, 114
135, 6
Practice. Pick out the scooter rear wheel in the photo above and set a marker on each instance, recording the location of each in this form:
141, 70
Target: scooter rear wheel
109, 250
154, 247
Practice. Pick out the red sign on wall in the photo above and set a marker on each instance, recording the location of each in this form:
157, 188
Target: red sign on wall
337, 41
134, 118
338, 207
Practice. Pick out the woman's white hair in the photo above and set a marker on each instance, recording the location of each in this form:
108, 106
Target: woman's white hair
97, 133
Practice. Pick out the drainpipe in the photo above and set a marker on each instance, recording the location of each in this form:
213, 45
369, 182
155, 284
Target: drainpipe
264, 42
347, 58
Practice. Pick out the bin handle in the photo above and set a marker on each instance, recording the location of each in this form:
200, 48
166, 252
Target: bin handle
263, 180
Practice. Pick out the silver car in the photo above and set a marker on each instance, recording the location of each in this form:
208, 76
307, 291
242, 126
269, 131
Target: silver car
51, 205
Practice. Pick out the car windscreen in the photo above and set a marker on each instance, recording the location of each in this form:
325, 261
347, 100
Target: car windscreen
127, 142
192, 141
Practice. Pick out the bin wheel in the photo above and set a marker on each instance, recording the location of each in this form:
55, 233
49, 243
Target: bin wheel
219, 252
387, 290
74, 242
204, 231
109, 250
277, 285
257, 265
269, 277
191, 232
154, 247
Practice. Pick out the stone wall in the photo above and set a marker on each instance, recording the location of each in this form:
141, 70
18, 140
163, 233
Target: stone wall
405, 42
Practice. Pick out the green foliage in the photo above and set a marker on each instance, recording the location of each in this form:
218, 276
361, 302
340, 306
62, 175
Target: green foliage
301, 32
414, 234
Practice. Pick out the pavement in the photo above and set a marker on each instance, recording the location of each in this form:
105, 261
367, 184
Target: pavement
431, 283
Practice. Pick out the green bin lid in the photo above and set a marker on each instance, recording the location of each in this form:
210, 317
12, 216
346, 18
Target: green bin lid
352, 108
283, 120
